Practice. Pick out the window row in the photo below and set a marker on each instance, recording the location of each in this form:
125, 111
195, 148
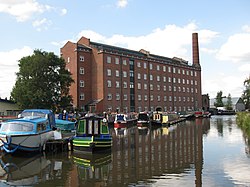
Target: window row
152, 108
152, 66
151, 98
151, 87
151, 77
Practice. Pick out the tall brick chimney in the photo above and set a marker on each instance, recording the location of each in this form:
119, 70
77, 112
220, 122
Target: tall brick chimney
195, 45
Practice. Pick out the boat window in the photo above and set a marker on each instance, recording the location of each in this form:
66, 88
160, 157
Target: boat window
32, 113
17, 127
90, 127
81, 126
120, 117
96, 127
42, 126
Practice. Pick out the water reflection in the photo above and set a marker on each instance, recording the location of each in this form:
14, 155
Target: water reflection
33, 170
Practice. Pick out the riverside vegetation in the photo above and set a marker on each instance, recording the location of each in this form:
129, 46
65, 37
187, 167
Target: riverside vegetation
243, 121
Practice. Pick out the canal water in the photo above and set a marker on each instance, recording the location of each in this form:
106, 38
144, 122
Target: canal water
202, 152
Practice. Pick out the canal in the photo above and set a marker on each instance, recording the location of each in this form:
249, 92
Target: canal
202, 152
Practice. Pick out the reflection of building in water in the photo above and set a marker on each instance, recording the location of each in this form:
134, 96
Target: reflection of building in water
139, 156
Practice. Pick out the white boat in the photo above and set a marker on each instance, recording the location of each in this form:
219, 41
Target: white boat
28, 133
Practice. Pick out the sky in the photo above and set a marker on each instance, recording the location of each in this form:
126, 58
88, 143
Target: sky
162, 27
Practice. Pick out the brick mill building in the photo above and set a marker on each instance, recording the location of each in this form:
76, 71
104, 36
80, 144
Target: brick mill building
109, 78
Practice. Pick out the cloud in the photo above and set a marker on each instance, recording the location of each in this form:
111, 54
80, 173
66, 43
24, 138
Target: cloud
228, 84
169, 41
244, 68
9, 67
22, 10
236, 49
122, 3
42, 24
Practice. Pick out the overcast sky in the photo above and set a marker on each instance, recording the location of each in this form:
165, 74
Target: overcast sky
162, 27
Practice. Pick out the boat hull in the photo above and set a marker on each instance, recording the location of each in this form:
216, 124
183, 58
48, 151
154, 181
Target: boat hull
25, 143
92, 143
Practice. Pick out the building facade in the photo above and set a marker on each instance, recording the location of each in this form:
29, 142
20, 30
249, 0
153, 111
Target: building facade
109, 78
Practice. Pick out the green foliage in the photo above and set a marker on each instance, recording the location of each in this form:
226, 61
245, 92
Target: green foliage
243, 121
218, 100
42, 82
246, 93
229, 104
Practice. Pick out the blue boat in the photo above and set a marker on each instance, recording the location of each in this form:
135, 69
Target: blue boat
92, 135
29, 132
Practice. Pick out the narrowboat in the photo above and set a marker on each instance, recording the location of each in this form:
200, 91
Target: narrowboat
143, 120
92, 135
165, 118
28, 133
125, 120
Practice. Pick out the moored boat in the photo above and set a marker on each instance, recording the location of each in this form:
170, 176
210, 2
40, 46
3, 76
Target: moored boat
125, 120
29, 133
92, 135
143, 120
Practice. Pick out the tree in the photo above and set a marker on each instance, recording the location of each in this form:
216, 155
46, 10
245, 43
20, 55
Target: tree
246, 93
42, 82
218, 100
229, 105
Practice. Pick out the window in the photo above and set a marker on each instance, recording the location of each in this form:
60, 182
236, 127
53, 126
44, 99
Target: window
183, 72
150, 66
151, 77
158, 98
108, 59
145, 97
125, 85
117, 60
125, 97
117, 96
151, 87
109, 72
164, 68
173, 70
151, 97
170, 98
109, 96
139, 97
109, 83
139, 76
124, 74
68, 60
169, 69
169, 79
179, 71
124, 62
139, 86
145, 65
117, 84
81, 83
158, 78
145, 86
164, 88
138, 64
117, 73
82, 58
145, 76
81, 70
164, 79
158, 87
82, 96
183, 81
169, 88
158, 68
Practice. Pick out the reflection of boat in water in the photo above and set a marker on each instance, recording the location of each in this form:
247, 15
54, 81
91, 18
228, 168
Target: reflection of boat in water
92, 135
93, 169
22, 171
